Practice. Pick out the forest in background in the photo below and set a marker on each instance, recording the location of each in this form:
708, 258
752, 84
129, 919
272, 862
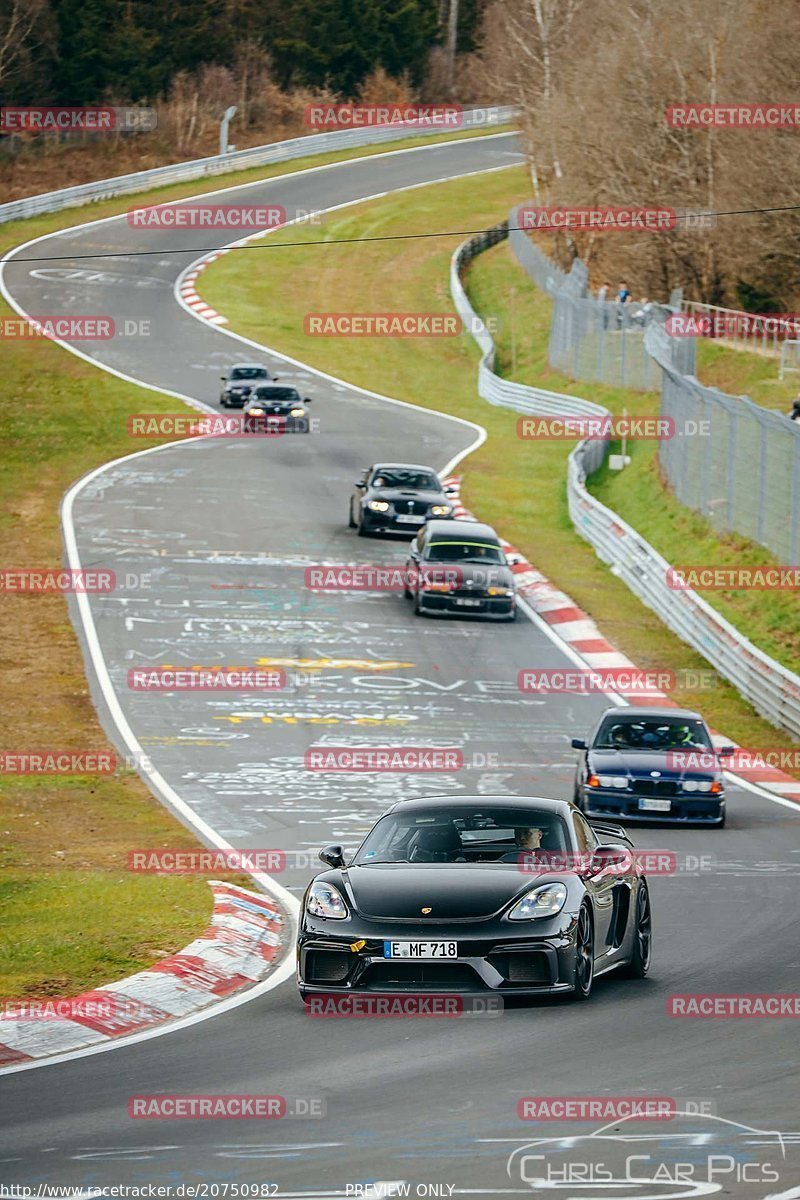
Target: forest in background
591, 78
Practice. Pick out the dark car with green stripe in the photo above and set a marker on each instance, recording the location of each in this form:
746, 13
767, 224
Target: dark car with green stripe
459, 568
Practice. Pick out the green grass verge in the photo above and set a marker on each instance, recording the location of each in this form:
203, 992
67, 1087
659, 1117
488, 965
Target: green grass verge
741, 373
73, 917
516, 485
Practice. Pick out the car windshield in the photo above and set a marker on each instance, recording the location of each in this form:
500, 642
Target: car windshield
400, 477
249, 373
462, 835
274, 395
658, 733
464, 552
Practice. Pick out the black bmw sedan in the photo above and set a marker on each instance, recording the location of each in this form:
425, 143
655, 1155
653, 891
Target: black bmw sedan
516, 896
396, 498
459, 568
277, 408
238, 384
644, 764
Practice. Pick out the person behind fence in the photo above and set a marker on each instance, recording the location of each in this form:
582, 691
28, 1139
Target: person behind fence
623, 297
794, 415
644, 307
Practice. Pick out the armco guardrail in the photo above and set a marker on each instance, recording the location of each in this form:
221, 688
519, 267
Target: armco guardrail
772, 689
256, 156
505, 392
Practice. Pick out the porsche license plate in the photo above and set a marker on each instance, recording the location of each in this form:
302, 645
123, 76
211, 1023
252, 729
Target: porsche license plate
647, 804
420, 949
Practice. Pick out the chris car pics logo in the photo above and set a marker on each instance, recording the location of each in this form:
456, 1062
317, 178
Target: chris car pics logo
691, 1153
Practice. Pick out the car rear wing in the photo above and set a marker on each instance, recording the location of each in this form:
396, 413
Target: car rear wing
614, 831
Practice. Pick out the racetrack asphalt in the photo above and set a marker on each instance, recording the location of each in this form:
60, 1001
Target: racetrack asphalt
225, 529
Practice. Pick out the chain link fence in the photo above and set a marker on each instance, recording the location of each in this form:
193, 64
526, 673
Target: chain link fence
739, 464
599, 341
735, 463
773, 690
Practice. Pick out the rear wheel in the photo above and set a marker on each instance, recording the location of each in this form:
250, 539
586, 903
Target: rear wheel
350, 522
584, 956
642, 936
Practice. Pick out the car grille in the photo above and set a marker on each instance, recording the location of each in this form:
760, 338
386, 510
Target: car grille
414, 507
522, 968
328, 966
655, 787
405, 973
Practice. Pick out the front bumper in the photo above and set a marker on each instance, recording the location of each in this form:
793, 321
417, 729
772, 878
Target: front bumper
379, 522
683, 809
274, 426
502, 962
499, 608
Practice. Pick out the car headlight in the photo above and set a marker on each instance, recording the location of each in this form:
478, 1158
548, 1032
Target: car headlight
297, 412
701, 785
544, 901
255, 412
324, 900
613, 781
430, 586
441, 510
378, 505
499, 591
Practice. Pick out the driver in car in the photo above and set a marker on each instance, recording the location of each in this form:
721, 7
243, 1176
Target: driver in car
528, 846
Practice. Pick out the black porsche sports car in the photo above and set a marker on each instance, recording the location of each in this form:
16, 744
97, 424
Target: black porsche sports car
278, 408
238, 384
516, 896
459, 568
396, 498
644, 764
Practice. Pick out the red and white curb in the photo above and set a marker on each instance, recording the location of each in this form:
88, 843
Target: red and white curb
575, 627
237, 950
189, 294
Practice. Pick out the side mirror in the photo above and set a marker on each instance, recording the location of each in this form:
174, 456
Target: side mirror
578, 744
361, 483
725, 751
611, 855
332, 856
451, 490
275, 378
224, 378
307, 399
514, 560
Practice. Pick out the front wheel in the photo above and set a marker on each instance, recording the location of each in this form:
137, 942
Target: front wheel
362, 529
584, 956
350, 522
642, 936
